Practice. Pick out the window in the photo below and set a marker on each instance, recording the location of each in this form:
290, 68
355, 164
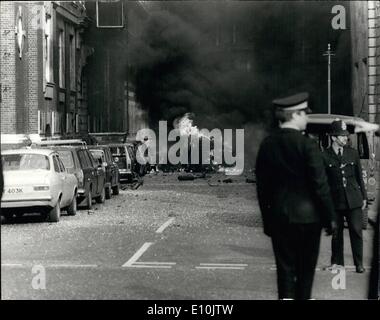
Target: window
98, 155
15, 162
108, 156
109, 14
56, 164
61, 57
72, 63
47, 48
83, 160
90, 159
67, 158
61, 165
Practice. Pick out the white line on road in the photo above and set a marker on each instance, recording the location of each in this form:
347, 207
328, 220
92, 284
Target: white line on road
71, 266
220, 267
158, 263
148, 266
165, 225
225, 264
11, 265
138, 254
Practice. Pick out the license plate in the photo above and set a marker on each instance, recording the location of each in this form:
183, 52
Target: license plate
14, 190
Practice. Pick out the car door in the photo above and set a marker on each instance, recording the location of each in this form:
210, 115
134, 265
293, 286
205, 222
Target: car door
88, 171
97, 172
110, 166
58, 180
67, 184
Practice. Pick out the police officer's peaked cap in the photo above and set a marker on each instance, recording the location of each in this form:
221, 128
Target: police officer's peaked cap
338, 128
295, 102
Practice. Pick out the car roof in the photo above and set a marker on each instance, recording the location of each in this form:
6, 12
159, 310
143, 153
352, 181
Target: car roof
354, 124
323, 118
100, 146
72, 148
42, 151
125, 144
62, 142
108, 133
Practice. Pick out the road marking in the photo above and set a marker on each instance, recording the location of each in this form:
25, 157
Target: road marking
225, 264
165, 225
148, 266
138, 254
220, 267
157, 263
11, 265
71, 266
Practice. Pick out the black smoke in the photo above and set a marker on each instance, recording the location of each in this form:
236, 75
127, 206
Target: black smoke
225, 61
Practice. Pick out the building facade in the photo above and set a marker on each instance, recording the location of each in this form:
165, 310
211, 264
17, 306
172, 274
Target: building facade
64, 72
110, 74
365, 35
41, 57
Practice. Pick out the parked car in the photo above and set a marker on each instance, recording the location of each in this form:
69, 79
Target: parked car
90, 175
17, 141
124, 156
58, 142
318, 128
109, 137
103, 155
35, 180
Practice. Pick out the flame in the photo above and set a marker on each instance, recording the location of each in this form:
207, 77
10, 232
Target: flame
186, 127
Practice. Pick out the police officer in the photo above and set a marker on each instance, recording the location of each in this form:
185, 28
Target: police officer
294, 197
348, 191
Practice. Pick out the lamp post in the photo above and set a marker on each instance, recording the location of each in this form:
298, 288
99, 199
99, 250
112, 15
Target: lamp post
329, 53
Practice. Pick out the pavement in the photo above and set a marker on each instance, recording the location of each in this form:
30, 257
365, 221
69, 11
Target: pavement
167, 240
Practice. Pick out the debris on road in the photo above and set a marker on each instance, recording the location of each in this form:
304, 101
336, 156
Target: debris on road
191, 176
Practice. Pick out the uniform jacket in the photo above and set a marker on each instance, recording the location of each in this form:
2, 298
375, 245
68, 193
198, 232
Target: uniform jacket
292, 185
345, 178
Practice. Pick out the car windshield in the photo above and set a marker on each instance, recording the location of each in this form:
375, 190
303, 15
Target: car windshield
15, 162
67, 158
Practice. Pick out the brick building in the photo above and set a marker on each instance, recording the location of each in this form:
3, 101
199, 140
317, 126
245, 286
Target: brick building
41, 57
365, 32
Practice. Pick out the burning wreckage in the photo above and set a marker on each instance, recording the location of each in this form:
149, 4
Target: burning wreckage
192, 151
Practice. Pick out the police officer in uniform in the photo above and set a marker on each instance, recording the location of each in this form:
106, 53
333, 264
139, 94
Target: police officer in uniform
348, 191
294, 197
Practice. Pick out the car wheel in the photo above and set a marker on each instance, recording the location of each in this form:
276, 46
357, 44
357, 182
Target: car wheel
89, 200
55, 213
72, 209
102, 196
108, 193
116, 189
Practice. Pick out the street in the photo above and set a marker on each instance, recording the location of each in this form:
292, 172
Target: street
167, 240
